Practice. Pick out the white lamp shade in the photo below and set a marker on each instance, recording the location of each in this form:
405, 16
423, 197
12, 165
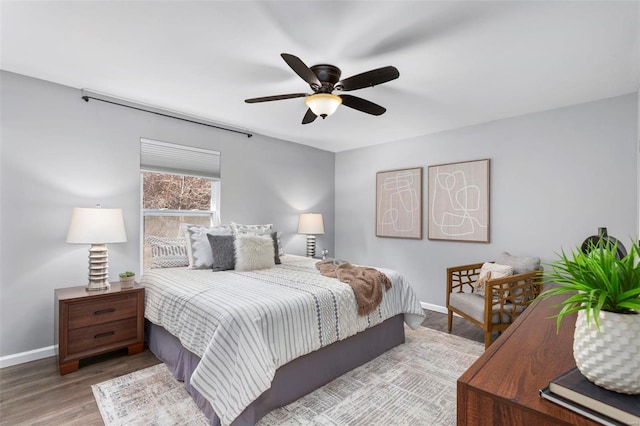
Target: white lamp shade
96, 226
311, 223
323, 104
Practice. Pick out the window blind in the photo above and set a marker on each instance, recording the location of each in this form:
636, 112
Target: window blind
156, 156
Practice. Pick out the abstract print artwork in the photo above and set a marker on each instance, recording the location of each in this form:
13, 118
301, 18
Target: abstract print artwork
399, 203
459, 201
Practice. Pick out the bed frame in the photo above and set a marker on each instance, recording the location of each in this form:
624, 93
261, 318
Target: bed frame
293, 380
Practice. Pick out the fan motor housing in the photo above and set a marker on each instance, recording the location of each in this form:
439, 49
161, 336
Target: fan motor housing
328, 75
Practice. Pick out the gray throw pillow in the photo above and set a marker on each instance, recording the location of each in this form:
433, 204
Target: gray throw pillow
280, 248
198, 248
276, 240
222, 247
520, 264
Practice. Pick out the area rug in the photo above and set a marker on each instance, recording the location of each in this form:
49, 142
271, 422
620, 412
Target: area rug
412, 384
146, 397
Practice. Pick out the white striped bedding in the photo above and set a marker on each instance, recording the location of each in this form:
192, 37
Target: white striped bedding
244, 325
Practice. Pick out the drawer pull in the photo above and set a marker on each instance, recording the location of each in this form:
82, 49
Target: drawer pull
101, 335
104, 311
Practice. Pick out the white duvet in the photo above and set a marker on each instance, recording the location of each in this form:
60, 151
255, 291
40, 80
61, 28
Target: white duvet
244, 325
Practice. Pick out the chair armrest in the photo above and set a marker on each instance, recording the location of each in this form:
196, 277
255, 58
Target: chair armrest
518, 290
460, 276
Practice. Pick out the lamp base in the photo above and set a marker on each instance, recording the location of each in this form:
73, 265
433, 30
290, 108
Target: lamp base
98, 286
98, 267
311, 245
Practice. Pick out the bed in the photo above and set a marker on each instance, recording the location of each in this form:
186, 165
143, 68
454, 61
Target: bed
247, 342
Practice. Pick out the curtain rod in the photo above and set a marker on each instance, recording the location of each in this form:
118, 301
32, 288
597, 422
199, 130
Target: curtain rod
88, 94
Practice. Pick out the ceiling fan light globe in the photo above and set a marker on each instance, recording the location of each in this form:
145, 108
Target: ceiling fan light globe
323, 104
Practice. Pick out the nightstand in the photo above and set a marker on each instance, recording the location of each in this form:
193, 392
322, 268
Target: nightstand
89, 323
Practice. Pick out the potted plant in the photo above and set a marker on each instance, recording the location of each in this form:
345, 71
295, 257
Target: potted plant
603, 287
127, 279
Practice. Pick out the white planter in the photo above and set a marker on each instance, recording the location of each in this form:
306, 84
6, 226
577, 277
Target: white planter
609, 357
127, 282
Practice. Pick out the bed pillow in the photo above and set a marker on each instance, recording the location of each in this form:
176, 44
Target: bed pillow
198, 247
254, 252
280, 249
520, 264
252, 229
223, 250
168, 252
260, 230
276, 245
491, 271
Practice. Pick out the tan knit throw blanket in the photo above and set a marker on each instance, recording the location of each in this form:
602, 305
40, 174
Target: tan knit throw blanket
367, 283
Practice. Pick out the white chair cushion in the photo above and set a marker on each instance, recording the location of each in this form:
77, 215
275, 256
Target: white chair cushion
473, 305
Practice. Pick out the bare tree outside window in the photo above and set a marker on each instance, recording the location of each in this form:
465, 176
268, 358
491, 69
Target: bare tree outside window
176, 192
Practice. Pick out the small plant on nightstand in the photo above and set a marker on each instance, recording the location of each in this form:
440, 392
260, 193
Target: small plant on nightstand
127, 279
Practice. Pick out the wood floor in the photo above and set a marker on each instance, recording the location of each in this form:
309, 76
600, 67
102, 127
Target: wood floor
35, 394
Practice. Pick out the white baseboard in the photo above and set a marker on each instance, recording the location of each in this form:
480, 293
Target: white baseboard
432, 307
32, 355
436, 308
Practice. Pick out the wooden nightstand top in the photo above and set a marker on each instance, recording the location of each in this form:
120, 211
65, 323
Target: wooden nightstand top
79, 292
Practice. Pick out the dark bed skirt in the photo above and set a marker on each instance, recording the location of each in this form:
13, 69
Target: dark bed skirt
293, 380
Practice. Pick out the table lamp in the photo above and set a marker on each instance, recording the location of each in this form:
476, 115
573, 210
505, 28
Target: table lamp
97, 226
312, 225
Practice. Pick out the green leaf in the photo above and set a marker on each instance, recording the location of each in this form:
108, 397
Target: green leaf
595, 280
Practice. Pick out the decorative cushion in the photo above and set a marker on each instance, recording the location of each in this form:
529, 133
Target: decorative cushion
223, 250
254, 252
168, 252
276, 245
252, 229
280, 248
198, 247
490, 271
520, 265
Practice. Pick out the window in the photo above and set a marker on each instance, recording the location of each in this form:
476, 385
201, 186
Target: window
180, 184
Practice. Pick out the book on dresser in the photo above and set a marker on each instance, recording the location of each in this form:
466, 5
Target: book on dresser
573, 391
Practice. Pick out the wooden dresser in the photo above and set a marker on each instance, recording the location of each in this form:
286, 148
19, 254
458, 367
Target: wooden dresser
89, 323
501, 387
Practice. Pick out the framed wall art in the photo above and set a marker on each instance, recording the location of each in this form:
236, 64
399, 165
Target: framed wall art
399, 203
458, 207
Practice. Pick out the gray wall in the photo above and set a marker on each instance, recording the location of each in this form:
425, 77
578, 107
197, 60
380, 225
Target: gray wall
556, 177
58, 152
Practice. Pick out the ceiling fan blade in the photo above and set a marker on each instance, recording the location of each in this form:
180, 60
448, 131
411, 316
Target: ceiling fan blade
301, 69
309, 117
275, 98
362, 105
368, 79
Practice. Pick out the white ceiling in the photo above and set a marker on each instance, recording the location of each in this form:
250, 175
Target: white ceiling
460, 63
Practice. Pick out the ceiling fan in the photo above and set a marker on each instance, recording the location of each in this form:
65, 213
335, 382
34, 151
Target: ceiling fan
323, 80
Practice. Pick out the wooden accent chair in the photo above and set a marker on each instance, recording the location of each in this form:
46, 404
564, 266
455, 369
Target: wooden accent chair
504, 298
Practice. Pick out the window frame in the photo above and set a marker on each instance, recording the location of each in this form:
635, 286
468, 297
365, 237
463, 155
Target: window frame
213, 214
167, 158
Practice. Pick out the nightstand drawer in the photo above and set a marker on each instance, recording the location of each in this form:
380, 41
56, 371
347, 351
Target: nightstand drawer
103, 310
89, 323
89, 338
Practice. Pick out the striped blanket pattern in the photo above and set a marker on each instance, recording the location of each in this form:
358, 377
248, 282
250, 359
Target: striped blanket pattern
244, 325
